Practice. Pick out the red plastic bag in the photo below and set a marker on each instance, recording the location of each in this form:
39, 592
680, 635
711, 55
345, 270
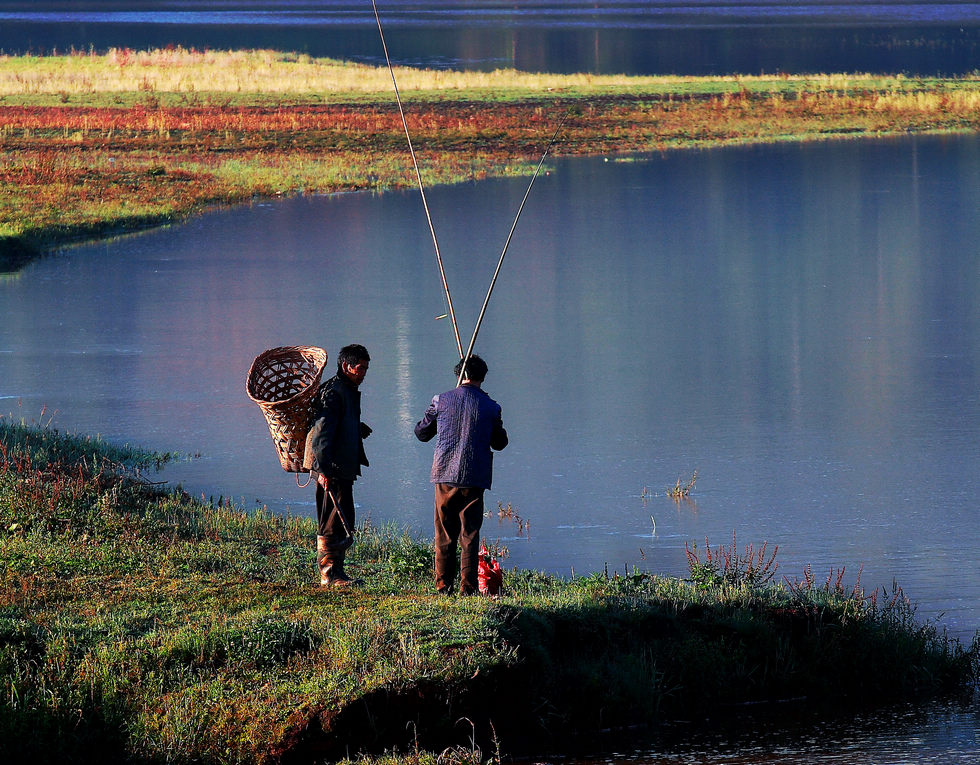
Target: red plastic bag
489, 576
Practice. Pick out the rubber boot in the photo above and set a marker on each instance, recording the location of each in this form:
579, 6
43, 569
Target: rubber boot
331, 565
337, 577
322, 561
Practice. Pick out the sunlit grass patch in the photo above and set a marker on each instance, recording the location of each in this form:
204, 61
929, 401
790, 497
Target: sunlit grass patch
181, 70
232, 74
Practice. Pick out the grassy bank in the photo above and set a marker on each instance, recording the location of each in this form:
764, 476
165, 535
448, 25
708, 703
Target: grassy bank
141, 625
95, 144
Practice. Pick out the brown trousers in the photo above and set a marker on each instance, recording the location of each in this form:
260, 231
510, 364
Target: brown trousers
459, 517
330, 525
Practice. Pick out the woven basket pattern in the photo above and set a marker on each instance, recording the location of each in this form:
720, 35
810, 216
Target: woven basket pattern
283, 381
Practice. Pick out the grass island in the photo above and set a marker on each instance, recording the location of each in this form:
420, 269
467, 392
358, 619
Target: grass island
96, 144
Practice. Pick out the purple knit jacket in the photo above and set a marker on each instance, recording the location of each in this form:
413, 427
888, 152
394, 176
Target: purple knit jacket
467, 424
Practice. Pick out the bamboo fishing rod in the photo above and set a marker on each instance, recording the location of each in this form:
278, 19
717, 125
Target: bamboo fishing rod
418, 175
503, 253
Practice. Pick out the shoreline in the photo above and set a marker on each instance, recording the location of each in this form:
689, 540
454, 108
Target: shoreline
137, 622
96, 145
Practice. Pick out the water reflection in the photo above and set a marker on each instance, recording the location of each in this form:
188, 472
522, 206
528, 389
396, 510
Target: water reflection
919, 38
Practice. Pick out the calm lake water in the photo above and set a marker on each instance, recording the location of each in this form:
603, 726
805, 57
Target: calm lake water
932, 734
604, 36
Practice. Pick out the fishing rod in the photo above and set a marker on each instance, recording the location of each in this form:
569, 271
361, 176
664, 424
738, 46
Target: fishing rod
418, 175
500, 262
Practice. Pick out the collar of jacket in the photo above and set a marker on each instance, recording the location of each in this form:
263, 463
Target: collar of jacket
344, 380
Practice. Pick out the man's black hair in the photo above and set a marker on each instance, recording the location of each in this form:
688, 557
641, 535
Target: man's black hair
476, 369
353, 355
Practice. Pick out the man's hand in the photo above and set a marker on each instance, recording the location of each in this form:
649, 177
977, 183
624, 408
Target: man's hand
323, 481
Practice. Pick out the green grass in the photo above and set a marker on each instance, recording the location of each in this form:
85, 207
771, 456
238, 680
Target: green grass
142, 625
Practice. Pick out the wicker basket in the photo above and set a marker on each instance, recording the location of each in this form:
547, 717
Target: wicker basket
283, 381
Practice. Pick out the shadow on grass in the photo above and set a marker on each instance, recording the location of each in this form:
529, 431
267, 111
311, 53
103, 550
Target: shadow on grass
625, 664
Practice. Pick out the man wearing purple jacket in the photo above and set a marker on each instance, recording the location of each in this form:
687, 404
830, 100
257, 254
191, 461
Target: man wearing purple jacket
467, 424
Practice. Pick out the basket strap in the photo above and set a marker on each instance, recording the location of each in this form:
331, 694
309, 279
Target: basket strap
309, 480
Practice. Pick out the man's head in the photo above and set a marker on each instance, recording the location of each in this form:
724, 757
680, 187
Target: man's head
353, 362
476, 369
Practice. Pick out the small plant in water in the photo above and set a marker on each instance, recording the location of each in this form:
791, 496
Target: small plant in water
680, 492
523, 525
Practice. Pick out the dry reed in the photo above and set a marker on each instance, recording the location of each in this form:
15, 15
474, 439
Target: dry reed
181, 70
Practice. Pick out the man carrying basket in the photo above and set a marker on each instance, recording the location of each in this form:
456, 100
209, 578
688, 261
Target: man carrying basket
334, 455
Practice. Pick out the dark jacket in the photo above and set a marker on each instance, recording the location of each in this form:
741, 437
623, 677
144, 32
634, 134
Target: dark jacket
335, 446
468, 424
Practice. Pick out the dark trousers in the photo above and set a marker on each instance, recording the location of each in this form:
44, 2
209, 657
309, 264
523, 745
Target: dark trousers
330, 525
459, 517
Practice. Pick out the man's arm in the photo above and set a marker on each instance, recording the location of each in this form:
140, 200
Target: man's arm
498, 436
425, 428
324, 430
